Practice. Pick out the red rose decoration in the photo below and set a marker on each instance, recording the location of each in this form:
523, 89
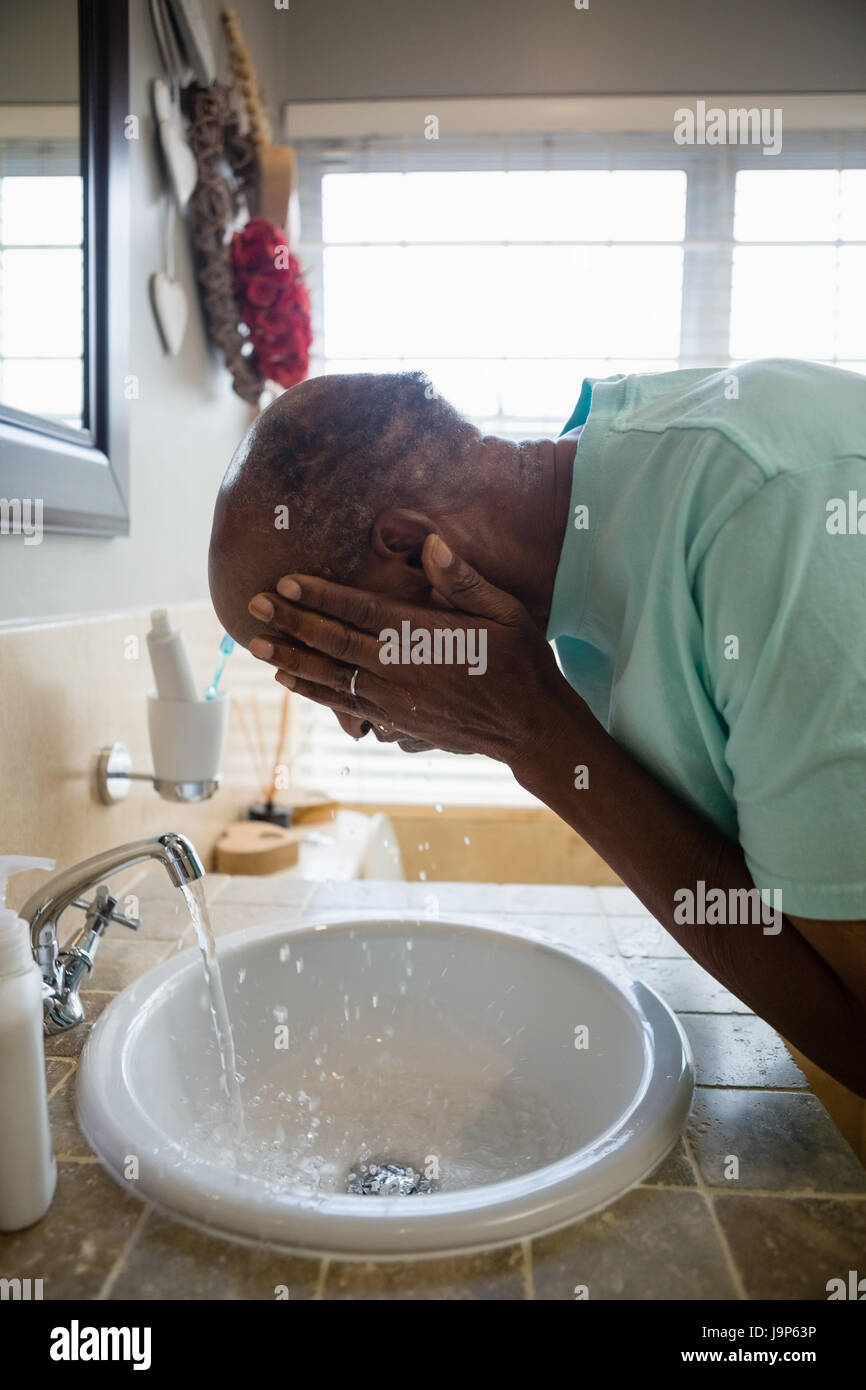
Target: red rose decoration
273, 301
261, 291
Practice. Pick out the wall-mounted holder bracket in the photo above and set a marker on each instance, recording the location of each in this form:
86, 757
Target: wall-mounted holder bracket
114, 777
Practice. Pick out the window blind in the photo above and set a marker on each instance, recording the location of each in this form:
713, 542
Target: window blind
711, 270
42, 278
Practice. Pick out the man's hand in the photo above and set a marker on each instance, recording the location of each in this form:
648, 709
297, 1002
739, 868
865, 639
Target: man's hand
807, 980
507, 690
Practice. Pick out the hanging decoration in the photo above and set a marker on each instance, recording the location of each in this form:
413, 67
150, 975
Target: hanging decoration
276, 191
225, 162
269, 285
255, 303
273, 302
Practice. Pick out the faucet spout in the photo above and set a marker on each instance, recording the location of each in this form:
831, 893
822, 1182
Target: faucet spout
180, 857
42, 910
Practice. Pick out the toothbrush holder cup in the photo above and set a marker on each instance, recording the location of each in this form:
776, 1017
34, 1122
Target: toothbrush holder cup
186, 740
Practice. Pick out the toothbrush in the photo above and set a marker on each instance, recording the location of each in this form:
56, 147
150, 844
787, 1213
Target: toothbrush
227, 646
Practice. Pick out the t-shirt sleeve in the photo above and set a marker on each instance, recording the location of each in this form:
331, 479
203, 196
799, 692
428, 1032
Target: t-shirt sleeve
782, 596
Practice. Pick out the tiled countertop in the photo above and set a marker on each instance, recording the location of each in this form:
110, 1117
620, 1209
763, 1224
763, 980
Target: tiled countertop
793, 1219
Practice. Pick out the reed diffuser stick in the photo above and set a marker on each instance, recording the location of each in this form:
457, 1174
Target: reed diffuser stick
259, 773
260, 739
281, 744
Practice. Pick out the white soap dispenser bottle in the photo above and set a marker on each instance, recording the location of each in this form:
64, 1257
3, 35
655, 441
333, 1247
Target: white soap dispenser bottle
28, 1172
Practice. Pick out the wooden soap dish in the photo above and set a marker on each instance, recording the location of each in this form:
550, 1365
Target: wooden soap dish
257, 847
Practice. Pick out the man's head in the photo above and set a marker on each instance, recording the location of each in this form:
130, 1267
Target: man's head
343, 477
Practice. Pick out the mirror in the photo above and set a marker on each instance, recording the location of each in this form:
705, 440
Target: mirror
63, 262
41, 216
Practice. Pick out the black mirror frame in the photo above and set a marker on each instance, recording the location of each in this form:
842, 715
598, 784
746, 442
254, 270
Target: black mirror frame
82, 476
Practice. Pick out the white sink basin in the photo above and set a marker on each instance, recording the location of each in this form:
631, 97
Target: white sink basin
446, 1046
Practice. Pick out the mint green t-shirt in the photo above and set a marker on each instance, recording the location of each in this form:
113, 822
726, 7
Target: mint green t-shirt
710, 606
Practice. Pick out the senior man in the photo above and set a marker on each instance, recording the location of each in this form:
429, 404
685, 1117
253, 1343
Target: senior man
694, 547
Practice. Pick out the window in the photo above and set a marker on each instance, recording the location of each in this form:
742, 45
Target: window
42, 281
803, 228
505, 287
510, 268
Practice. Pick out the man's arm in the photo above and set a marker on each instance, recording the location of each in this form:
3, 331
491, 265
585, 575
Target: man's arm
808, 981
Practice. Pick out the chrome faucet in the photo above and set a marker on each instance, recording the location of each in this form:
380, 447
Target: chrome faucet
65, 971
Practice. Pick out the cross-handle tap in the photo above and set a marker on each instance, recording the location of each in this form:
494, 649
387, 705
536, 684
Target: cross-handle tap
63, 972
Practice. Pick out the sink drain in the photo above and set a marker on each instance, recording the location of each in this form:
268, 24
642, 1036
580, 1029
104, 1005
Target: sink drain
387, 1180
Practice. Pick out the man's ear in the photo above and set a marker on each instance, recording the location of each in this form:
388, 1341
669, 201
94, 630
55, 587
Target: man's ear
399, 534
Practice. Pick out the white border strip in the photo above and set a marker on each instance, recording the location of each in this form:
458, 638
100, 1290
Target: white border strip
362, 120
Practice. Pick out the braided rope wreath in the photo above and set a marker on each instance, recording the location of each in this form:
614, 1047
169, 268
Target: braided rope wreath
255, 303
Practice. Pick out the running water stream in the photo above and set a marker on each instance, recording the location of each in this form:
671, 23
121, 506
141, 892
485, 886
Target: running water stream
195, 901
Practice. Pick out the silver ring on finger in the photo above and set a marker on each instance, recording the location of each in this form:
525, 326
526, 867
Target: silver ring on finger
353, 682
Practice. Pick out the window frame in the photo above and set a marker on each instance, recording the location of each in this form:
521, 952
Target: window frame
711, 173
83, 475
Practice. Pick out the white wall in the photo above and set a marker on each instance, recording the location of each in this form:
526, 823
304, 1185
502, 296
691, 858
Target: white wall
185, 425
340, 49
183, 428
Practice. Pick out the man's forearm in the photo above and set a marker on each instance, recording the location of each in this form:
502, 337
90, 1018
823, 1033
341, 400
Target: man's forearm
659, 847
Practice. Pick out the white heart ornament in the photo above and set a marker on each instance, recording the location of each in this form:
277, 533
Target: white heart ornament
170, 309
179, 161
163, 105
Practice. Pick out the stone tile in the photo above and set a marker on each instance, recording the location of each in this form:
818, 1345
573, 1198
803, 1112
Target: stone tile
572, 899
620, 902
268, 888
156, 886
66, 1137
370, 894
236, 917
740, 1050
644, 936
673, 1171
651, 1244
783, 1141
457, 897
789, 1247
58, 1070
70, 1043
122, 959
162, 919
687, 987
77, 1242
95, 1000
495, 1275
589, 934
172, 1261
